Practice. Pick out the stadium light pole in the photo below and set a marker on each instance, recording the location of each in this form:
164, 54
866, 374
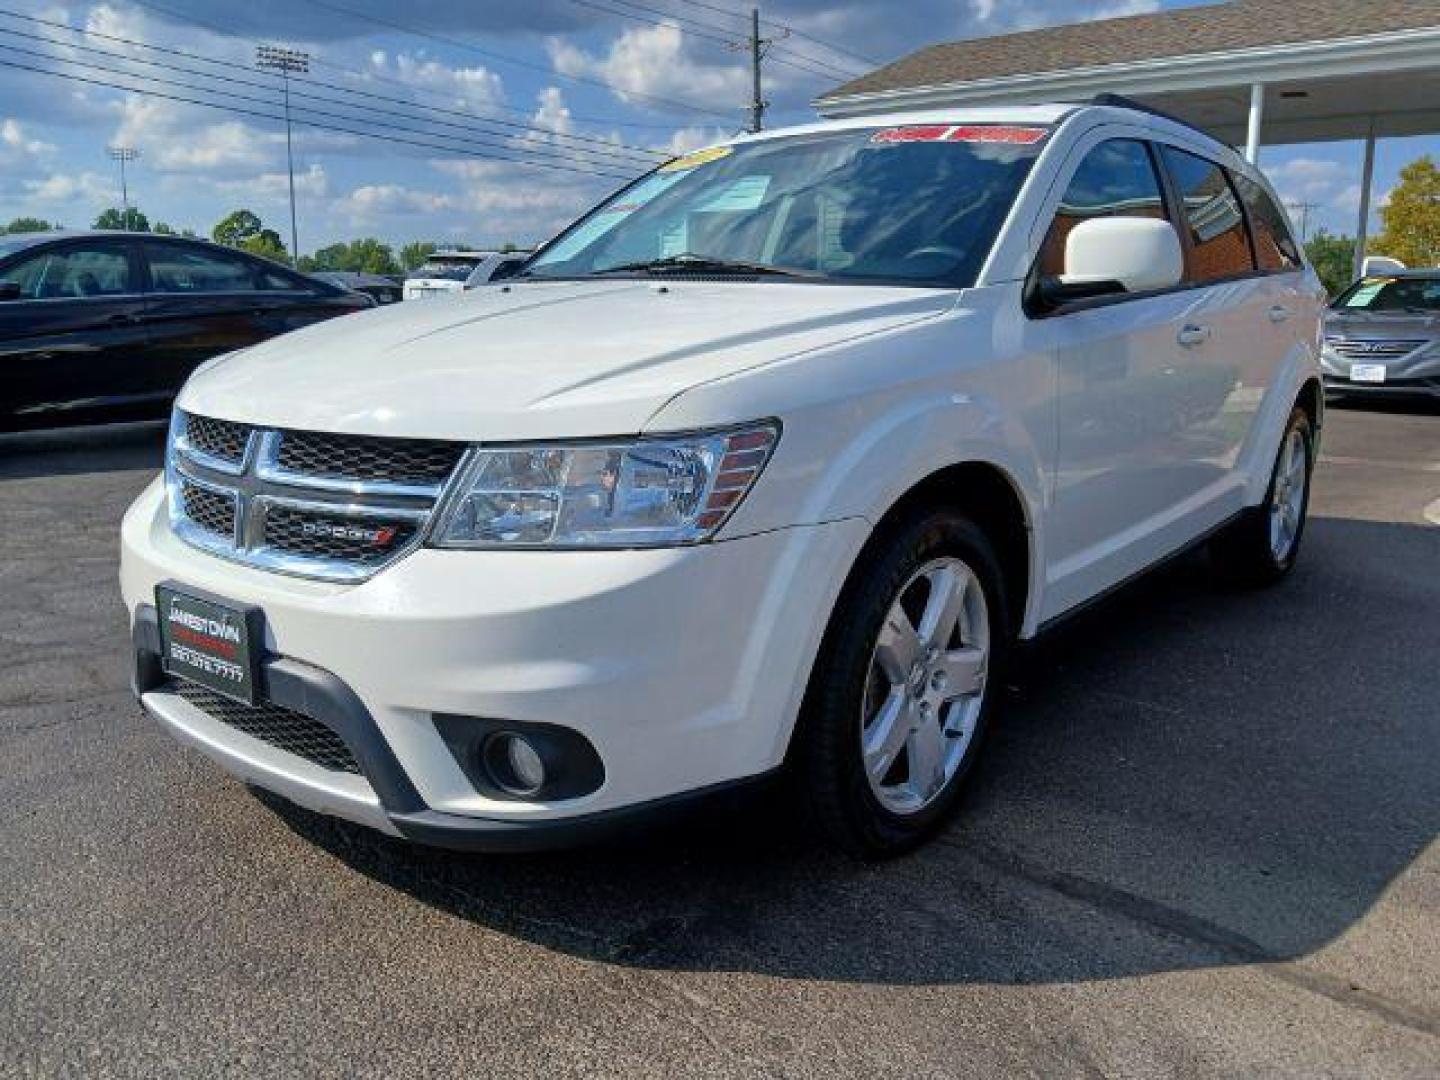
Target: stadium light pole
287, 62
122, 154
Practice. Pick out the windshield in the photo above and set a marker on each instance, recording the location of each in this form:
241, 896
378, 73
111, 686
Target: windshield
915, 205
1392, 294
452, 269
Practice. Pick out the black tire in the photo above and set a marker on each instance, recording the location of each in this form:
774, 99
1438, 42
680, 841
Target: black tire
1242, 555
827, 758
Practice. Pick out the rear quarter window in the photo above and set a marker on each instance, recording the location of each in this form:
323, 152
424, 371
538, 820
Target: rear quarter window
1275, 247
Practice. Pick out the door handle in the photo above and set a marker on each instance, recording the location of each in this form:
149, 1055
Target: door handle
1279, 313
1191, 335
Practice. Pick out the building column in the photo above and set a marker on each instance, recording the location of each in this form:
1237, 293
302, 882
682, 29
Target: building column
1257, 117
1367, 180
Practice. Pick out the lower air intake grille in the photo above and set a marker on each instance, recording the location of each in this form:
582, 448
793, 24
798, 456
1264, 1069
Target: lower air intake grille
282, 728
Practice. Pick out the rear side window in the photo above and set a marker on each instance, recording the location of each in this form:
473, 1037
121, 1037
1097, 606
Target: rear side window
73, 273
186, 271
1275, 247
1219, 244
1116, 179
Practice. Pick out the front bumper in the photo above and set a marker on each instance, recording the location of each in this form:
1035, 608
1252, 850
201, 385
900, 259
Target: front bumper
683, 668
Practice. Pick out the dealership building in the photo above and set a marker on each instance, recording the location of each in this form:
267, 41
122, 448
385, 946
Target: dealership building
1253, 72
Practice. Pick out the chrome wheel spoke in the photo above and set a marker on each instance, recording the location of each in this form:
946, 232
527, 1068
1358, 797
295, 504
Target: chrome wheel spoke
886, 734
925, 754
898, 647
944, 605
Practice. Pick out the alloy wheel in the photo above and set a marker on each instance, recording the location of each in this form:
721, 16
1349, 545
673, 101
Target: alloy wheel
925, 687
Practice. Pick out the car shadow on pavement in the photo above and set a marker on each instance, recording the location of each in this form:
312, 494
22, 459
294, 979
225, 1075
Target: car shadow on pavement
1184, 777
71, 451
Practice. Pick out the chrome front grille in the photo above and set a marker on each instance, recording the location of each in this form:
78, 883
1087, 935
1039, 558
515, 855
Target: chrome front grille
335, 507
406, 462
1379, 349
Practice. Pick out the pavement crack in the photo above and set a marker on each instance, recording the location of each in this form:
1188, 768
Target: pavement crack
1194, 928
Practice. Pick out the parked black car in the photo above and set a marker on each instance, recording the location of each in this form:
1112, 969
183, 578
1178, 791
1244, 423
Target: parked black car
381, 289
107, 325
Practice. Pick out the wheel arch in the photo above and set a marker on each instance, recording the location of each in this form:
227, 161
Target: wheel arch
995, 500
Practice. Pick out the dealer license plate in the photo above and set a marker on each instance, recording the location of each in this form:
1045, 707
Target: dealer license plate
210, 641
1371, 373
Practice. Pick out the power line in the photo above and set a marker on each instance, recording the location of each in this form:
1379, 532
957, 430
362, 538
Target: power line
687, 25
790, 51
504, 59
317, 124
548, 159
612, 149
419, 91
838, 49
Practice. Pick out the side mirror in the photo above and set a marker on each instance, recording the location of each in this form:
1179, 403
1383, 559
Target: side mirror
9, 290
1104, 256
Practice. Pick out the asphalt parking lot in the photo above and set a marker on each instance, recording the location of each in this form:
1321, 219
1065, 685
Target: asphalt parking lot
1205, 842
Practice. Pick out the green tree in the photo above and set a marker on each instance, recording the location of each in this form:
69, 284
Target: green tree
1410, 218
131, 220
1333, 258
266, 242
415, 253
29, 224
162, 229
243, 229
236, 227
366, 256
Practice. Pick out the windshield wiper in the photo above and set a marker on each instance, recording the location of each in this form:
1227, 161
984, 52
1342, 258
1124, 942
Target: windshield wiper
705, 264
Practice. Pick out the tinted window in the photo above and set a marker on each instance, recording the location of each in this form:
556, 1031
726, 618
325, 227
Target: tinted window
1418, 295
919, 203
1220, 247
1116, 179
1275, 247
276, 279
73, 272
176, 269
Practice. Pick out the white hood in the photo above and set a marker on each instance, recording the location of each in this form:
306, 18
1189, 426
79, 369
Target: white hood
538, 360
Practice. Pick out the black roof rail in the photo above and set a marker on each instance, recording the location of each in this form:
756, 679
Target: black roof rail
1120, 101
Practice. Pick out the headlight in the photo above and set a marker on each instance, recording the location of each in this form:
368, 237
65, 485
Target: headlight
636, 493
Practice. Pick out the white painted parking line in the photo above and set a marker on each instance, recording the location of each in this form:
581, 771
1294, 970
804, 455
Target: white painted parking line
1408, 466
1432, 513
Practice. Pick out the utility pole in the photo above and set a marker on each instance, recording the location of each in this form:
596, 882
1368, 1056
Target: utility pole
122, 154
757, 100
1304, 209
759, 47
287, 62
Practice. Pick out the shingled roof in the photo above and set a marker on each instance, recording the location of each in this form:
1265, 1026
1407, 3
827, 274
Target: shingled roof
1213, 28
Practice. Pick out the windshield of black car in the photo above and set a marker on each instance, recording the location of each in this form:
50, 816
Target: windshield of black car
920, 204
448, 269
1392, 294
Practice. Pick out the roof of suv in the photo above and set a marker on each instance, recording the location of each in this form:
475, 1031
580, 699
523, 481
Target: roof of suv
1117, 110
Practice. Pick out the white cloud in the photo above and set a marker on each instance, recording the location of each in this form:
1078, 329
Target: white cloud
466, 86
652, 61
65, 189
17, 148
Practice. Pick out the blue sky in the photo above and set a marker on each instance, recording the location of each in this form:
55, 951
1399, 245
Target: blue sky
502, 118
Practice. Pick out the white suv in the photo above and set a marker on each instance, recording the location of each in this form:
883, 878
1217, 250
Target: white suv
765, 463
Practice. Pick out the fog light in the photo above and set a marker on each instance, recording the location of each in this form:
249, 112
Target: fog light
514, 764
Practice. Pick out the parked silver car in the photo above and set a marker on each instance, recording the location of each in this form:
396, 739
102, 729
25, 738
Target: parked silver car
1382, 336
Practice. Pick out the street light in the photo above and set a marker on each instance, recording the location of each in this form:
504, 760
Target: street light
287, 62
122, 154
